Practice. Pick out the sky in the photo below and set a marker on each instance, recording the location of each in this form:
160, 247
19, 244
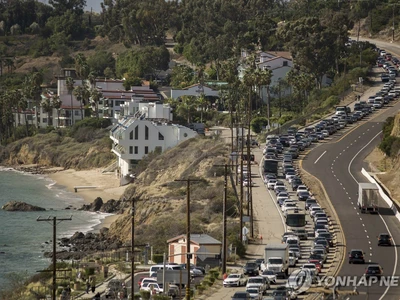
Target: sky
95, 4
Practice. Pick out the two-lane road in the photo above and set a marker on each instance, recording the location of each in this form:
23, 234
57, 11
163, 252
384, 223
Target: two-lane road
338, 165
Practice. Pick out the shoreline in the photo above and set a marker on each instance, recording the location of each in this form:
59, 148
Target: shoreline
107, 186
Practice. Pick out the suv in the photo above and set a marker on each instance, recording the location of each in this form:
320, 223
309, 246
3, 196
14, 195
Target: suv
356, 256
261, 282
251, 269
384, 239
374, 271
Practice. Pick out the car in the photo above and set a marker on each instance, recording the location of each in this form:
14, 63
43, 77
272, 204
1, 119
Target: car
314, 209
328, 237
259, 262
321, 252
301, 188
281, 293
310, 202
319, 231
261, 282
271, 184
356, 256
286, 235
296, 251
295, 183
146, 280
316, 256
235, 280
254, 292
322, 242
283, 195
279, 184
241, 296
288, 206
303, 196
316, 263
289, 175
152, 286
114, 286
292, 259
270, 275
251, 269
374, 271
384, 239
293, 241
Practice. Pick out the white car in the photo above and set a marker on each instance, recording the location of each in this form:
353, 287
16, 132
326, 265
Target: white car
271, 184
314, 209
235, 280
318, 231
259, 281
152, 286
292, 259
282, 195
288, 206
310, 267
301, 188
254, 292
279, 184
325, 133
289, 175
270, 275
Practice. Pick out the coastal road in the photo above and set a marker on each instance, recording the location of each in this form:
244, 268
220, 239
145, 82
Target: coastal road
337, 164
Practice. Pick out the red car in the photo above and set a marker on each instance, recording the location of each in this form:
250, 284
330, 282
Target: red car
317, 264
140, 281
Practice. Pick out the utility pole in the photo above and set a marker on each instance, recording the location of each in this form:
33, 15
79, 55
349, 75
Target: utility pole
249, 190
188, 254
241, 184
54, 224
132, 245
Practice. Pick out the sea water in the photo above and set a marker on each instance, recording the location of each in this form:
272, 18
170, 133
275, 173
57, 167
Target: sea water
23, 239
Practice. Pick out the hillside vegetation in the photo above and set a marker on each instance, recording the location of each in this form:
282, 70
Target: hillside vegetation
160, 201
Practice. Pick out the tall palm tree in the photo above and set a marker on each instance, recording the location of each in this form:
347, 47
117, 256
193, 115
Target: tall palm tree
35, 82
79, 94
47, 107
70, 86
265, 80
22, 106
202, 103
95, 96
56, 102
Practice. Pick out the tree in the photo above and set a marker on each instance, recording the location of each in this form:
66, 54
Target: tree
182, 76
100, 61
47, 106
56, 102
61, 6
81, 66
79, 93
70, 86
202, 103
95, 96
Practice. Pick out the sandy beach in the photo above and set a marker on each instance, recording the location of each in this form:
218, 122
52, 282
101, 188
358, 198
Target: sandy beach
106, 186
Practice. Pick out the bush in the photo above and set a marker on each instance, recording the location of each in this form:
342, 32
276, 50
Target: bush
206, 282
258, 123
145, 295
161, 297
201, 288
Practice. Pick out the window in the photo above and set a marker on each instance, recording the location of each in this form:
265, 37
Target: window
130, 149
76, 112
136, 149
44, 120
285, 63
146, 150
137, 132
160, 137
131, 135
146, 132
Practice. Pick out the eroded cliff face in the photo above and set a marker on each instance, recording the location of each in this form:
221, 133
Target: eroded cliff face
160, 201
388, 167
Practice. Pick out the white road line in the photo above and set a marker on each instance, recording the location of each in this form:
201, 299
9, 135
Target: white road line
383, 220
370, 248
319, 157
369, 242
351, 202
367, 237
358, 214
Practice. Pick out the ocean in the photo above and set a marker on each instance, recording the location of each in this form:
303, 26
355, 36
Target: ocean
22, 238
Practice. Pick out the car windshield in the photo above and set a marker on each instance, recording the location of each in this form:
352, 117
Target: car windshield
275, 261
251, 265
384, 237
373, 268
240, 295
356, 252
256, 280
325, 235
234, 276
252, 291
269, 272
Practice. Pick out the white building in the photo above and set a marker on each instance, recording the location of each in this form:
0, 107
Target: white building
144, 127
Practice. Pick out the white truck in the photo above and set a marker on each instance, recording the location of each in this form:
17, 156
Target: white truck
276, 259
368, 197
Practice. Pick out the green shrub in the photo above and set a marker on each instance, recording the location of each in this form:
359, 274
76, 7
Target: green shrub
145, 295
201, 288
206, 282
258, 123
161, 297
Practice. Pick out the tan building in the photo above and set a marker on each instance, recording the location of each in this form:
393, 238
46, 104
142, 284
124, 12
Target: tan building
203, 246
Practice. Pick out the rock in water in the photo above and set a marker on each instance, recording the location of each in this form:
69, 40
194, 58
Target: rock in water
21, 206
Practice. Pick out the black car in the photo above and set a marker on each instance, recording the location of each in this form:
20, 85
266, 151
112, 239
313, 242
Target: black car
374, 271
384, 239
303, 196
328, 237
259, 261
241, 296
295, 183
310, 202
356, 256
251, 269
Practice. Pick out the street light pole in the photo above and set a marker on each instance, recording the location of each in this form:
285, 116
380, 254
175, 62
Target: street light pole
132, 245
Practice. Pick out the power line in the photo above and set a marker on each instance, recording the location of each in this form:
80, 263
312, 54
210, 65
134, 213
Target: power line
54, 224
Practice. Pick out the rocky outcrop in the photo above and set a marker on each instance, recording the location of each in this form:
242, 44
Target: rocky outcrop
111, 206
81, 245
21, 206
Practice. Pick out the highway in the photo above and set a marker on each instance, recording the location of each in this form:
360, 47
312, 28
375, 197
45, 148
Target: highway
337, 164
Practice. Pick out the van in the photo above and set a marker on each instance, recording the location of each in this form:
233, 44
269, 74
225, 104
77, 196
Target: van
155, 268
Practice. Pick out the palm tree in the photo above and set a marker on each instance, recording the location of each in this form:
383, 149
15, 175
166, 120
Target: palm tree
202, 103
47, 107
265, 80
79, 94
22, 105
70, 86
35, 91
185, 107
56, 102
96, 95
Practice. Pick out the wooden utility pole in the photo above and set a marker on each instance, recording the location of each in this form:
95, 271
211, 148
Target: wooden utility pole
54, 224
188, 254
249, 189
133, 245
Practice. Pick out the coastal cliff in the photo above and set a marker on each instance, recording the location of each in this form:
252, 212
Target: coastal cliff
20, 206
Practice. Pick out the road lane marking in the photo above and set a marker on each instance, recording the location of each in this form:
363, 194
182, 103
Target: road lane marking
319, 157
383, 220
